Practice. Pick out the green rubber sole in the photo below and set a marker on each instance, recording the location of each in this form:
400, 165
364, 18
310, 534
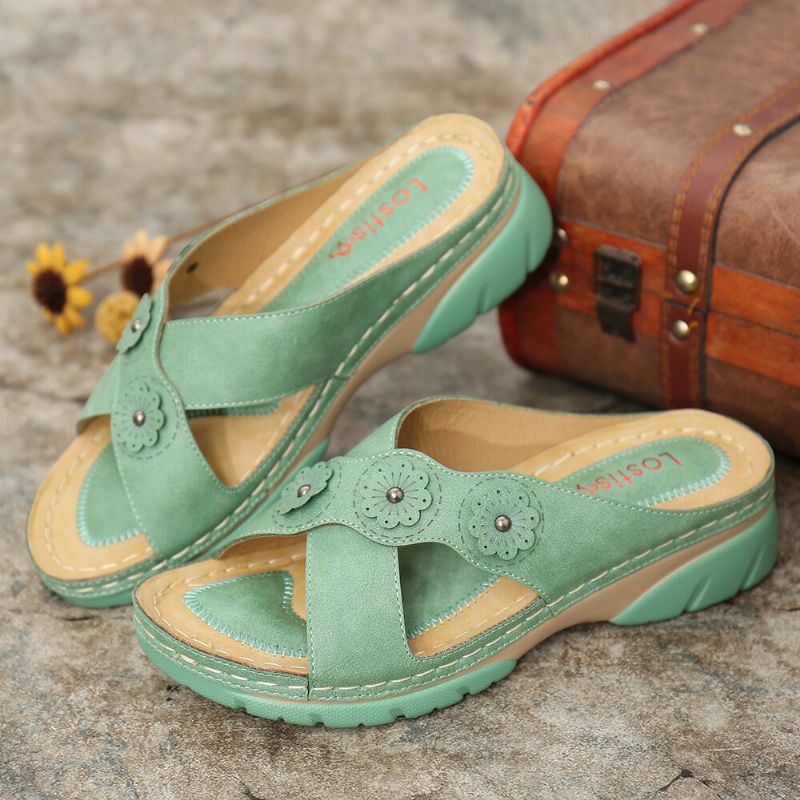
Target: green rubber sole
499, 269
166, 653
120, 598
733, 566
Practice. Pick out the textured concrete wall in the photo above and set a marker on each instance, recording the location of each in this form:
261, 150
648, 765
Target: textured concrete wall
117, 115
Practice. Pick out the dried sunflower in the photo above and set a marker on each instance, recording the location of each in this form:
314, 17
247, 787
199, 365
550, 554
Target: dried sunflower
56, 286
113, 313
144, 266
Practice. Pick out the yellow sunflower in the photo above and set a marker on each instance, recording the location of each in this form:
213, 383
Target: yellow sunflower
56, 287
144, 266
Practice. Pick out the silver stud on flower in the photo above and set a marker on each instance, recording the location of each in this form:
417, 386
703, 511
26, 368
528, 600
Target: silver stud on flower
136, 327
394, 491
138, 416
502, 523
303, 486
502, 519
395, 494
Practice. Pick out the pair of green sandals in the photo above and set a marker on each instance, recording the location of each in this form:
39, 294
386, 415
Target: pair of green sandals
422, 565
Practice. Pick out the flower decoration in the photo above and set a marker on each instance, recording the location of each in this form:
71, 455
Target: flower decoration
137, 326
502, 520
113, 313
139, 417
394, 492
304, 485
144, 265
56, 287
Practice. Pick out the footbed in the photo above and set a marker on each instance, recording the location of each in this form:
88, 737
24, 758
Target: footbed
397, 188
677, 459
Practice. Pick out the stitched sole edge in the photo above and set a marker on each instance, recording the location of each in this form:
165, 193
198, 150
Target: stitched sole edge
344, 714
735, 565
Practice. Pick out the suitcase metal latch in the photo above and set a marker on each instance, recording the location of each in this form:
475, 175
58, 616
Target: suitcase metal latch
617, 282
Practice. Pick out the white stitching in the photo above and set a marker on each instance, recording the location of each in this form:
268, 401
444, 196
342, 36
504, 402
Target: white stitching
281, 268
54, 500
177, 655
284, 561
644, 435
543, 608
646, 553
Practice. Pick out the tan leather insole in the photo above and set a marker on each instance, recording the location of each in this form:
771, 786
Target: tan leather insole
235, 445
749, 460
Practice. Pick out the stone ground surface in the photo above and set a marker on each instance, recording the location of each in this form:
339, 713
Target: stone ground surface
119, 115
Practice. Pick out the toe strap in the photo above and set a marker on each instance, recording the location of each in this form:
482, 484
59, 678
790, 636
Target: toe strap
175, 496
354, 612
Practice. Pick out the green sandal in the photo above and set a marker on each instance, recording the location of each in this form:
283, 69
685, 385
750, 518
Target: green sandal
197, 420
423, 565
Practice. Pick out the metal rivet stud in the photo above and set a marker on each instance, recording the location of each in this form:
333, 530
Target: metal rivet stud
138, 418
560, 238
687, 281
742, 129
602, 85
699, 29
136, 325
559, 282
681, 330
395, 494
502, 523
303, 490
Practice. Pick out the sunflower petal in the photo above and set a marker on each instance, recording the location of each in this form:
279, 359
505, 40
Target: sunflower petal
75, 271
33, 267
74, 317
43, 254
62, 323
58, 257
78, 296
156, 248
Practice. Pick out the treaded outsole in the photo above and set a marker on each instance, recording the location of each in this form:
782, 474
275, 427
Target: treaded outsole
500, 269
719, 574
346, 714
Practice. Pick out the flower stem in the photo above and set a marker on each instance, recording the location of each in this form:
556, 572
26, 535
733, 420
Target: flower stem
177, 237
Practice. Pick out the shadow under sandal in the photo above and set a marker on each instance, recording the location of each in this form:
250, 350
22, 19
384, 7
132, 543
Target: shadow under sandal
457, 536
198, 419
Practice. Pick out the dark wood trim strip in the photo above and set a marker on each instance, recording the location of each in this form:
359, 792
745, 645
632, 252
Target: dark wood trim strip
691, 243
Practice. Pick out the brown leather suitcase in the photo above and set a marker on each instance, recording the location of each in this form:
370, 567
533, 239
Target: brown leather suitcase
671, 159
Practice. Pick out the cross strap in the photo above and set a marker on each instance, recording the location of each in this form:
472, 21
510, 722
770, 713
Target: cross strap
235, 361
542, 534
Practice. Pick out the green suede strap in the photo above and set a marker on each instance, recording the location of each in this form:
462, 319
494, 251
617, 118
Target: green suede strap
354, 611
101, 400
547, 536
174, 494
235, 361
